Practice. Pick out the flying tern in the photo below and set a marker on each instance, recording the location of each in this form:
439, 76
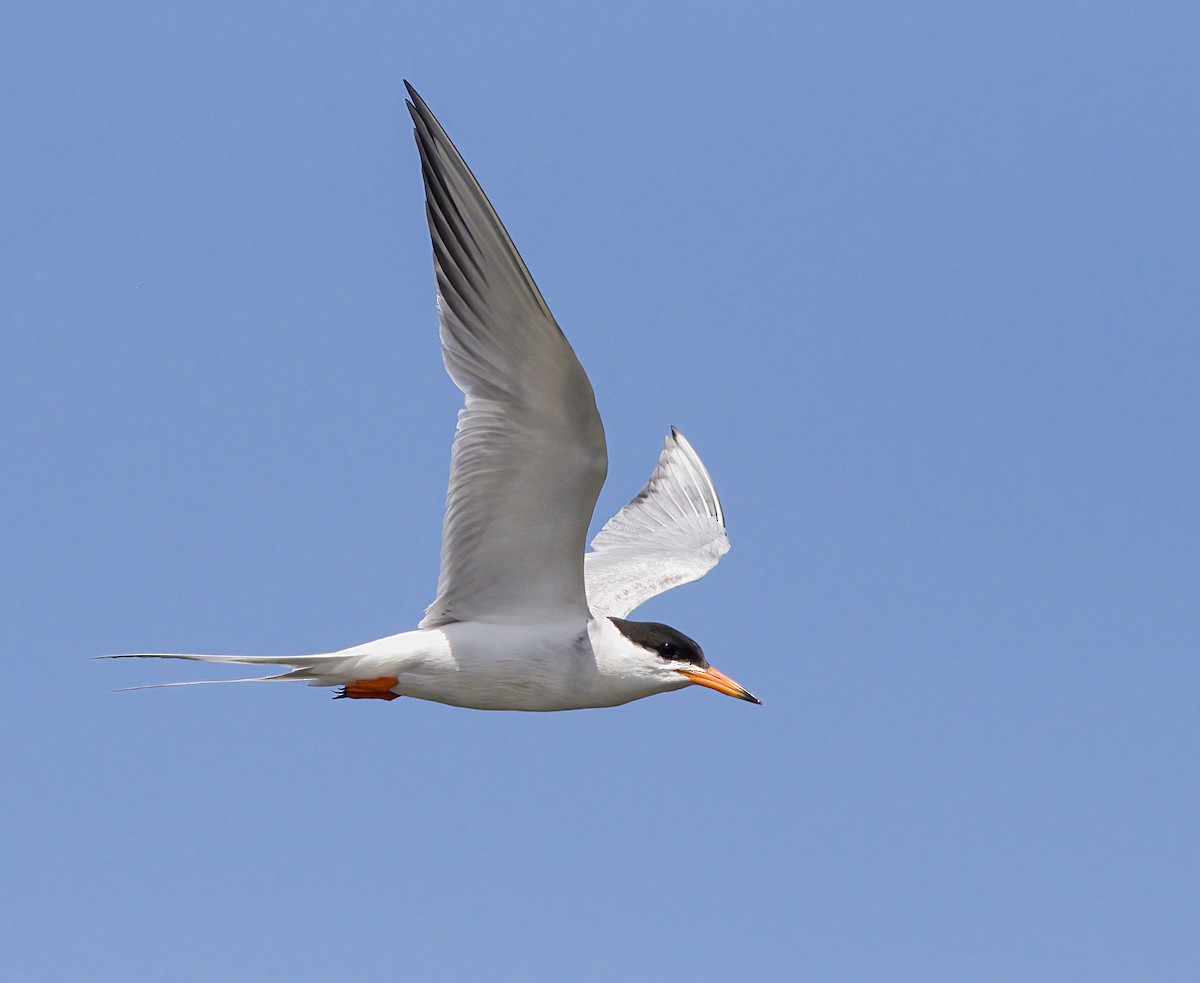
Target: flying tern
524, 618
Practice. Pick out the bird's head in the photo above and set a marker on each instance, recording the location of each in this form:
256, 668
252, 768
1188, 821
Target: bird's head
673, 658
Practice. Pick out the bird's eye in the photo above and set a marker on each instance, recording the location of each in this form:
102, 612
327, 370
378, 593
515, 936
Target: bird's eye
668, 650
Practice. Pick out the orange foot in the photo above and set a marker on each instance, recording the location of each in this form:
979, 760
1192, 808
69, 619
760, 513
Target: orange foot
369, 689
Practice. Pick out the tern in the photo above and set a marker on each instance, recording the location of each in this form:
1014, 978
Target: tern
524, 618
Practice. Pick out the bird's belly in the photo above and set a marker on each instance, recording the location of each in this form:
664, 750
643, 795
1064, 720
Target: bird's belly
498, 667
499, 687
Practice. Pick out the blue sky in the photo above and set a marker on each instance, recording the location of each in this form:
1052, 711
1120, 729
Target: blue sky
918, 282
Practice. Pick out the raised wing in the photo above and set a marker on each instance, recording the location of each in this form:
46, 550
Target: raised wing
529, 455
671, 534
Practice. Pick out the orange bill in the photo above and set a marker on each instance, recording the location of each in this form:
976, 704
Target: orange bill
715, 679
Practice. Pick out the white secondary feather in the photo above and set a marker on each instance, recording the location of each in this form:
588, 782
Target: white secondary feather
529, 455
671, 534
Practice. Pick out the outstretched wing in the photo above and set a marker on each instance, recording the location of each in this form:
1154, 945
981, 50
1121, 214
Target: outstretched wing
529, 455
671, 534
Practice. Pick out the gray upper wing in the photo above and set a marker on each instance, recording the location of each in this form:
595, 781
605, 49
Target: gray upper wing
529, 456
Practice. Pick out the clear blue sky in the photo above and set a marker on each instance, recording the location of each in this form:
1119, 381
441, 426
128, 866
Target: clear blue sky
920, 284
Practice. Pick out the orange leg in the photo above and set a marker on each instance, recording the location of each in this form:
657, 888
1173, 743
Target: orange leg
369, 689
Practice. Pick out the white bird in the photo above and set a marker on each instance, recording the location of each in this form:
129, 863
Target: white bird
523, 618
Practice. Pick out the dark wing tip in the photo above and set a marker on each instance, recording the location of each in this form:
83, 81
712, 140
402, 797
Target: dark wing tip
420, 112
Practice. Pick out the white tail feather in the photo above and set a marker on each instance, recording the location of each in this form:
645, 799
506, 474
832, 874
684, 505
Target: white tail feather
200, 682
295, 661
303, 667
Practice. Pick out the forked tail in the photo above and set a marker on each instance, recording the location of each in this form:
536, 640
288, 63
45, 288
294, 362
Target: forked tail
316, 670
